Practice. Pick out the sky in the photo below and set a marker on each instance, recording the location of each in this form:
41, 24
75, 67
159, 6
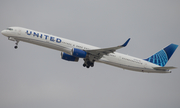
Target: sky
33, 76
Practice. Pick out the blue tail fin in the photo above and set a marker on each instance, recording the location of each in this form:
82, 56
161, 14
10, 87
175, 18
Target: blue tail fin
162, 57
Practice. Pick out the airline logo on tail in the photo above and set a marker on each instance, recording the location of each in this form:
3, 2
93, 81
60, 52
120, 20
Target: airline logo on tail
162, 57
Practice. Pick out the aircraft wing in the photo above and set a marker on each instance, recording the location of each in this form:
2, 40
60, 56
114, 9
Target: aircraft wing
98, 53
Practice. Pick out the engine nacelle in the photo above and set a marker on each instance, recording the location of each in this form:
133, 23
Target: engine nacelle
68, 57
78, 53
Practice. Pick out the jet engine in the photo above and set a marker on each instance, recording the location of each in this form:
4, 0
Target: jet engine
68, 57
78, 53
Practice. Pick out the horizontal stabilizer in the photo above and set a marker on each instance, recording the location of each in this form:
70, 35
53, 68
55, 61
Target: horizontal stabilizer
164, 68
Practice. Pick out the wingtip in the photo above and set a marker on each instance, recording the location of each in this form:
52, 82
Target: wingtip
126, 42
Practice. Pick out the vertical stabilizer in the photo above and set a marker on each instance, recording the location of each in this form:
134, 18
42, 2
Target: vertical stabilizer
162, 57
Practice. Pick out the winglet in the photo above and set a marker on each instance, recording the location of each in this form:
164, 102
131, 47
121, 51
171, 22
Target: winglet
126, 42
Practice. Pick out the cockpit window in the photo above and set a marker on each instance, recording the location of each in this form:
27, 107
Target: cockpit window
9, 29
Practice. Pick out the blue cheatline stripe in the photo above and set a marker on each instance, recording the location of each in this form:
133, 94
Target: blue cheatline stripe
160, 58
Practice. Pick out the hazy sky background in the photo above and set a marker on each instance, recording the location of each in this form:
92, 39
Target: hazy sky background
36, 77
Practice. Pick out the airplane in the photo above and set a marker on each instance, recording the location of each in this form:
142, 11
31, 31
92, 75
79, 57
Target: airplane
72, 51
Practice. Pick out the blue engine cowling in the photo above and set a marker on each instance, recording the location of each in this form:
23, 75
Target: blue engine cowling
78, 53
68, 57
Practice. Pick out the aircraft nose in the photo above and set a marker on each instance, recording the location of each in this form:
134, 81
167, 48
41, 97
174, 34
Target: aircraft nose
3, 32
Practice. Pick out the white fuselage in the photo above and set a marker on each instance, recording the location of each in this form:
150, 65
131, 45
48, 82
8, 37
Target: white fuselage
65, 45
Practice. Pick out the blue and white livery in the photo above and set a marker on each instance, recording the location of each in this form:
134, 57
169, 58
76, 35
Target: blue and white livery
72, 51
